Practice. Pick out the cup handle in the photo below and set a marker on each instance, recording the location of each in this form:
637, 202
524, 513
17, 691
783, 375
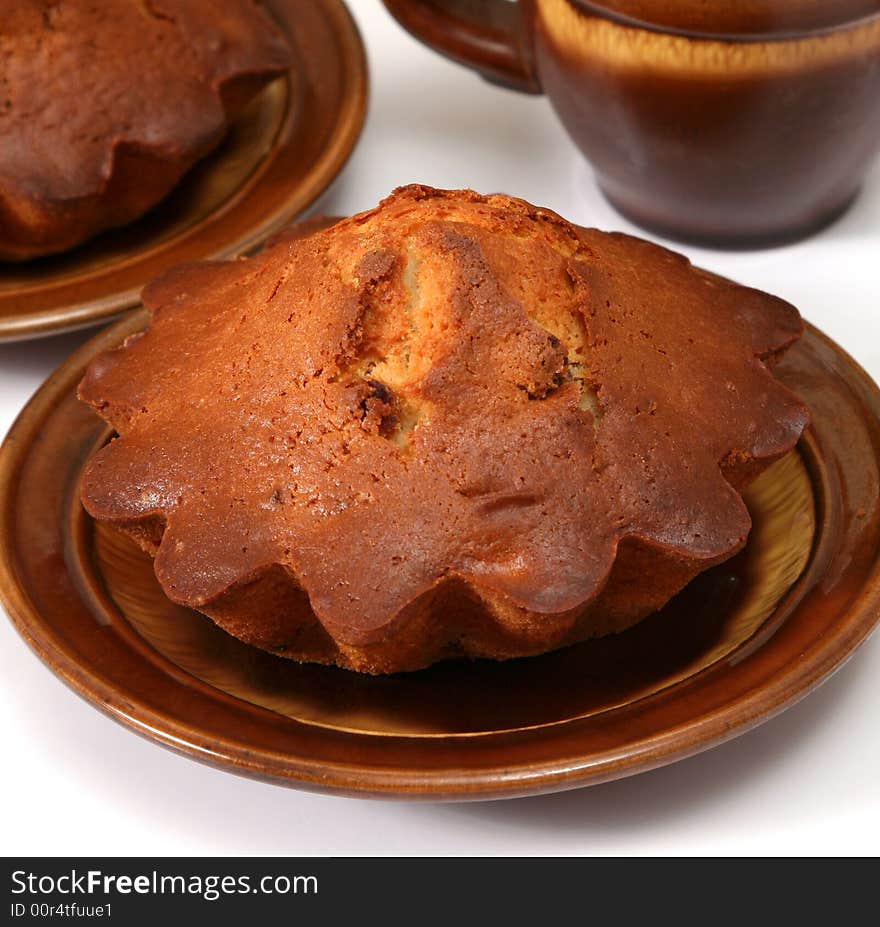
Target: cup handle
487, 35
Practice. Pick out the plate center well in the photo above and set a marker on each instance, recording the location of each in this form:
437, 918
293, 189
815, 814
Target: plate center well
707, 622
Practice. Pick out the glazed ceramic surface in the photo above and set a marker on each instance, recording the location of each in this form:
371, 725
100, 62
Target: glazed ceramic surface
737, 124
276, 160
739, 644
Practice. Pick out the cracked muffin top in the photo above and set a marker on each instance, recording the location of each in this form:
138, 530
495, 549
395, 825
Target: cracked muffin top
447, 386
85, 82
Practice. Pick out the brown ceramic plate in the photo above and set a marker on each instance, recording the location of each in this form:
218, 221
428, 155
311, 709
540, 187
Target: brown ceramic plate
738, 645
277, 159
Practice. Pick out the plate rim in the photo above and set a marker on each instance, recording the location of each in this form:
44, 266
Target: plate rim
700, 731
348, 126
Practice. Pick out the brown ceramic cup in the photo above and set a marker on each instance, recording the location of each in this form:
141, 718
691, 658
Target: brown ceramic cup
741, 123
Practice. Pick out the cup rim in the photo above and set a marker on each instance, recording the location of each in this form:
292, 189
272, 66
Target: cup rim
600, 11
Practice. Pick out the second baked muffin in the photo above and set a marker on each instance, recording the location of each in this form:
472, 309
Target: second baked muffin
105, 104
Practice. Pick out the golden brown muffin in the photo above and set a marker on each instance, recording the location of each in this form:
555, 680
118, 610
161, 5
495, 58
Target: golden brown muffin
105, 104
454, 425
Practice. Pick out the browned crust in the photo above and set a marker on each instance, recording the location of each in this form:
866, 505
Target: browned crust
124, 162
454, 425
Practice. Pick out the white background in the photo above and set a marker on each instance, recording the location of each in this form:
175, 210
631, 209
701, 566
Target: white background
808, 782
